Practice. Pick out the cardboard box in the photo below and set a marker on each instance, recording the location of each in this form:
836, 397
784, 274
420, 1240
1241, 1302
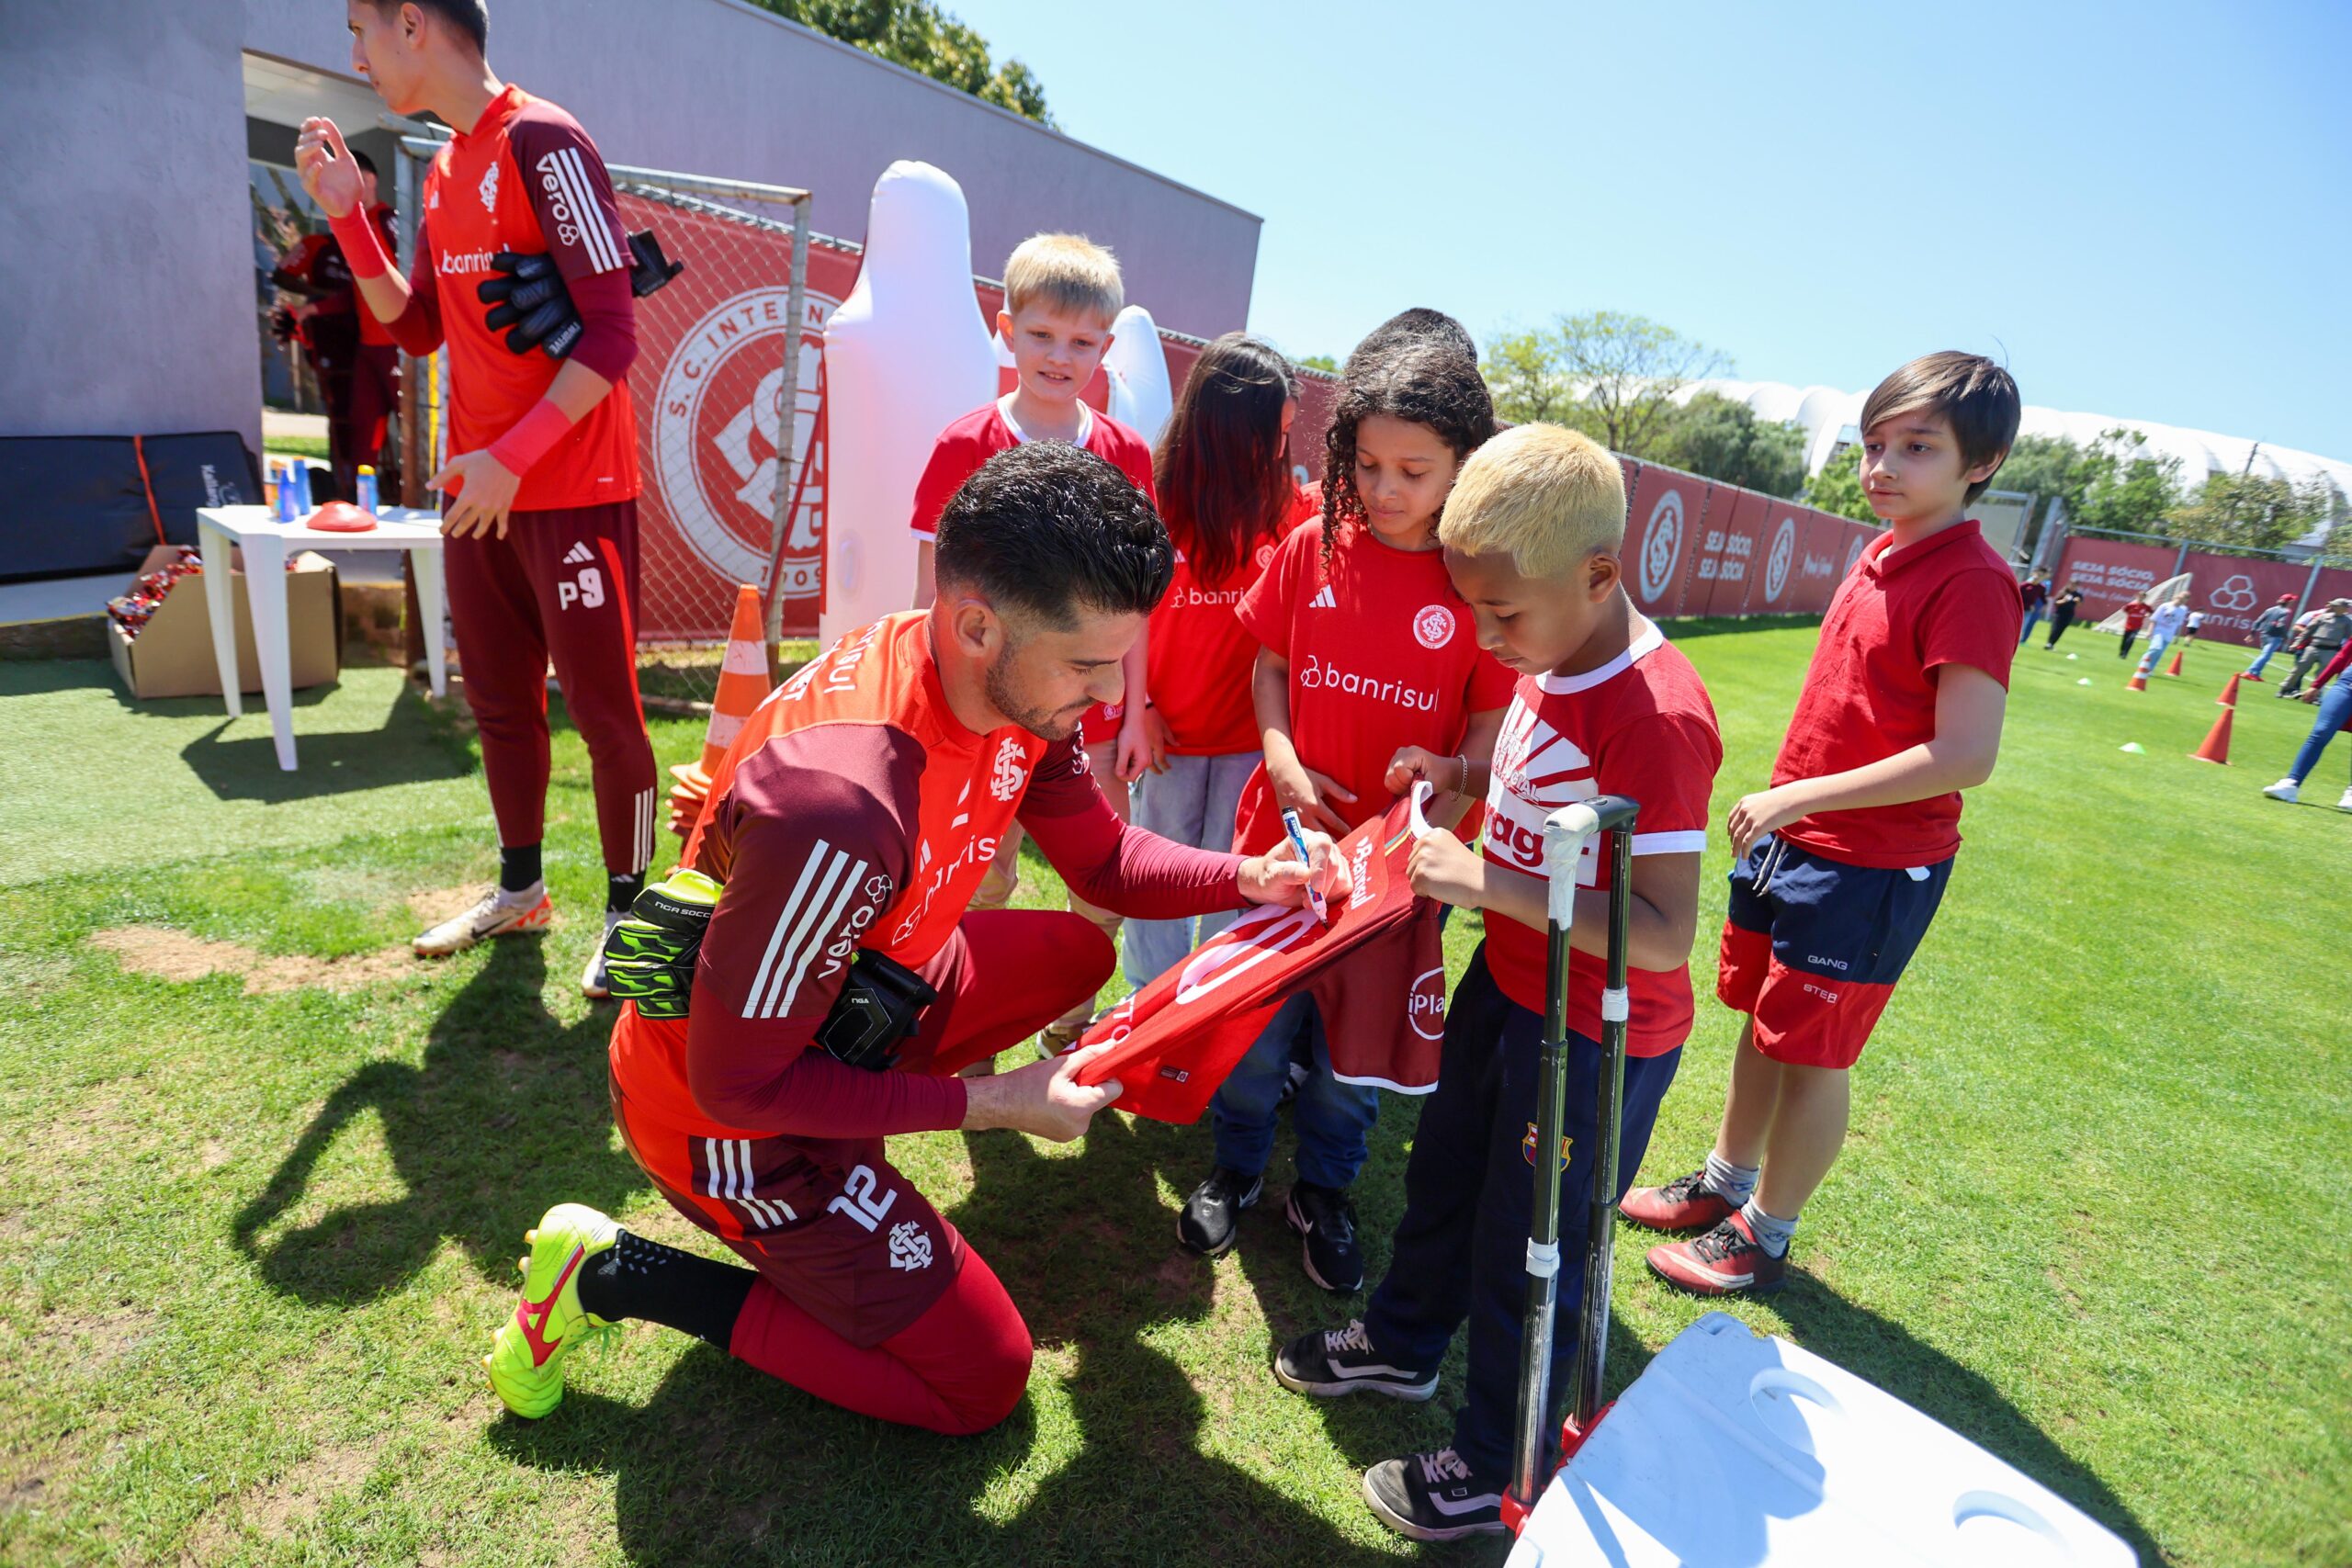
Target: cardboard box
172, 656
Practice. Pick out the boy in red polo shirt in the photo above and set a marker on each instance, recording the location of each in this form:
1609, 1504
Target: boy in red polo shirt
1842, 862
542, 481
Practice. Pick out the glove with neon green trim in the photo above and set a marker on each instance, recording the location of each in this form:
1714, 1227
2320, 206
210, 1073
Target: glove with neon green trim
650, 957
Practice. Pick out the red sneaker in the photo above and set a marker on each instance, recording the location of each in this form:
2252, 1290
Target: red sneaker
1686, 1203
1726, 1260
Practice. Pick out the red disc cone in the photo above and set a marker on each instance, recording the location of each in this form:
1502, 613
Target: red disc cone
2217, 740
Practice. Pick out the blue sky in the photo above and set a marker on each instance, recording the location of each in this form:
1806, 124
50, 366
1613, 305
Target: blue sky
2145, 211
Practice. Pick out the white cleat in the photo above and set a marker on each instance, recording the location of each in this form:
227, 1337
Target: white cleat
2346, 803
592, 978
498, 913
2284, 789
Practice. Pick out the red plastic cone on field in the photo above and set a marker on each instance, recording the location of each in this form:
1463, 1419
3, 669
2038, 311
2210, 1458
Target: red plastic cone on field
742, 685
2139, 682
2229, 697
2173, 668
2216, 741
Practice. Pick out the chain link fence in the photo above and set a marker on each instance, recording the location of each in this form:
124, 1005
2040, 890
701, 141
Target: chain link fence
726, 397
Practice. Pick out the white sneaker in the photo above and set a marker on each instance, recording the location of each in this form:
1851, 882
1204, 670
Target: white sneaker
2344, 804
2283, 790
498, 913
592, 978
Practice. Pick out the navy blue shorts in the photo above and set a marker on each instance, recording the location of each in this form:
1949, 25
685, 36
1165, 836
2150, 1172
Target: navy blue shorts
1813, 947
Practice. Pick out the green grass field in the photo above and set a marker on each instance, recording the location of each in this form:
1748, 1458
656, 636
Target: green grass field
263, 1180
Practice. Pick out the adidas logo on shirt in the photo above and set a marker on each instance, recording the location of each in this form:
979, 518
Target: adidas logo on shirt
579, 554
1323, 600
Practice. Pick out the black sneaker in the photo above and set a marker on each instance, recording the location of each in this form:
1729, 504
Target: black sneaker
1326, 1217
1211, 1214
1434, 1498
1333, 1361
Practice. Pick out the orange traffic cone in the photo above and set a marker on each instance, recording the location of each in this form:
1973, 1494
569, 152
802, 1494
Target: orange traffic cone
2217, 742
2173, 668
2229, 697
742, 685
2139, 682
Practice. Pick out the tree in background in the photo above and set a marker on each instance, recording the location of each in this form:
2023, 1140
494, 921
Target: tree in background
919, 36
1322, 362
2251, 509
2121, 487
1838, 488
1609, 372
1723, 439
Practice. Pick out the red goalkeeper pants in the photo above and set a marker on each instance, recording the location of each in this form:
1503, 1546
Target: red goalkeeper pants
868, 1297
561, 586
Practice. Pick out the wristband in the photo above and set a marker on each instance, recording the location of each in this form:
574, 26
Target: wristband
363, 247
520, 449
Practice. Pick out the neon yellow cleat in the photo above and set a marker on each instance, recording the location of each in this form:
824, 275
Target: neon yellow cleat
526, 1360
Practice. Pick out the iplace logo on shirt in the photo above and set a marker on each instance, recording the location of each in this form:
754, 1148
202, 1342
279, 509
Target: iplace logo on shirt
1433, 627
488, 190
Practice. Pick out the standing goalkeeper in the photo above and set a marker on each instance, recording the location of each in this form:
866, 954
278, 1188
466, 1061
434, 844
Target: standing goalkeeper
541, 519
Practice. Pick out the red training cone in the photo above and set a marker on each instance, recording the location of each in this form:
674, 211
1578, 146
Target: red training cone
742, 685
2229, 697
2139, 682
2173, 668
2217, 742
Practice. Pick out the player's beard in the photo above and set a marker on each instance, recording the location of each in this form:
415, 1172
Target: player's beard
1046, 724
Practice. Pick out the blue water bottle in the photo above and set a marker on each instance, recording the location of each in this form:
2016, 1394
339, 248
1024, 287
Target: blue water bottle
301, 488
283, 471
367, 490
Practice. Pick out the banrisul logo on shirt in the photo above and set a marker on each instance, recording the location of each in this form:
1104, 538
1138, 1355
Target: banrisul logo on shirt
1319, 675
1433, 627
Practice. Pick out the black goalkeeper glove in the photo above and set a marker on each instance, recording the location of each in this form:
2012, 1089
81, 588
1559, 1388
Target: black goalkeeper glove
650, 956
530, 304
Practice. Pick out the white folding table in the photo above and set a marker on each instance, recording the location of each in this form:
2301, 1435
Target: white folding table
265, 542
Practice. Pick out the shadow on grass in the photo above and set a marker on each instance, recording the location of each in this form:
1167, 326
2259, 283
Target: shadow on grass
725, 1466
412, 747
509, 1106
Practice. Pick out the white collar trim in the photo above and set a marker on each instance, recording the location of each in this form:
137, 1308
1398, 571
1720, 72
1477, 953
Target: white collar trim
1085, 419
1646, 639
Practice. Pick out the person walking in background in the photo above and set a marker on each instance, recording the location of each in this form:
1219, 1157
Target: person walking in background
2333, 692
2269, 629
2164, 626
2317, 643
2064, 608
2035, 591
2135, 616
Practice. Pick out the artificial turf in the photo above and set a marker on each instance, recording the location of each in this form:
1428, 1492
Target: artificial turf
255, 1226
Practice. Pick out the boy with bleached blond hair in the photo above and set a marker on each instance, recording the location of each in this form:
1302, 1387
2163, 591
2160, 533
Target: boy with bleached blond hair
1605, 706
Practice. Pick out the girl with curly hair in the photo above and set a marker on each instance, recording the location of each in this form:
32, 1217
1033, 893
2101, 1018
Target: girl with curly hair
1366, 649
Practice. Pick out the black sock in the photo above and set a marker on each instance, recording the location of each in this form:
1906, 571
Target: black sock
620, 891
518, 866
637, 1277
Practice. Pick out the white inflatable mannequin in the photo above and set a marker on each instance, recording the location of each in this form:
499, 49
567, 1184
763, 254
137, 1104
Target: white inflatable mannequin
905, 355
1137, 366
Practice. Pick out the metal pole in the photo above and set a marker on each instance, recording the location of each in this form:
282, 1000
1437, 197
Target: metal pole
787, 400
2311, 587
1601, 1255
407, 190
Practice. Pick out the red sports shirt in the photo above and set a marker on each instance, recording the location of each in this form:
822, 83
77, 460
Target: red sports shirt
972, 440
1381, 654
854, 809
1641, 727
526, 179
1202, 654
1871, 692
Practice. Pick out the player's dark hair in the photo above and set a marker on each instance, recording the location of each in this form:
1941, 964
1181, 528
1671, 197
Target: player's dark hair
471, 17
364, 161
1420, 381
1047, 526
1222, 471
1976, 395
1419, 324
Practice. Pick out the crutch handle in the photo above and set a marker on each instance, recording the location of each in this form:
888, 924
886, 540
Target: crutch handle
1565, 833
